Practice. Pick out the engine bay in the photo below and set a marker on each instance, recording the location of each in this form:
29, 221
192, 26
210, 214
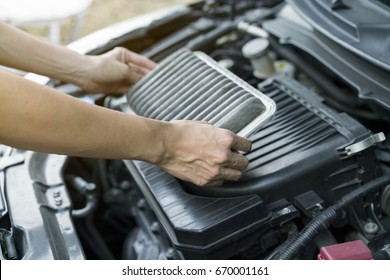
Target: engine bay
318, 173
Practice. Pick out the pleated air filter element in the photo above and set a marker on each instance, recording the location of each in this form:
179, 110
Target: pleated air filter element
191, 86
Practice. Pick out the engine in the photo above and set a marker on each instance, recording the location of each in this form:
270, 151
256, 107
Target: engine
318, 174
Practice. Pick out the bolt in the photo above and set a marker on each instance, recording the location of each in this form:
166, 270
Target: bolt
371, 228
90, 187
285, 211
317, 209
141, 204
154, 227
125, 185
58, 201
170, 253
56, 193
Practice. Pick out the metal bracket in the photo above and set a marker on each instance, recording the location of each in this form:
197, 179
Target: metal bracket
364, 144
9, 161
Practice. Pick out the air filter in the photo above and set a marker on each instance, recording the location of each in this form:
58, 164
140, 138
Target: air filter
191, 86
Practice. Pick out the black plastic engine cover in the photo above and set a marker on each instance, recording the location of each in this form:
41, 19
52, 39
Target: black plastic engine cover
302, 149
199, 226
300, 152
354, 24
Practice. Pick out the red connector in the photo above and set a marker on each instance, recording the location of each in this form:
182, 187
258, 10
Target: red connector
354, 250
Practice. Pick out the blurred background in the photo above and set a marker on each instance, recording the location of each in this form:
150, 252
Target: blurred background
102, 13
105, 12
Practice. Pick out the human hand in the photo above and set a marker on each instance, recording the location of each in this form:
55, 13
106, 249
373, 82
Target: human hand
203, 154
115, 71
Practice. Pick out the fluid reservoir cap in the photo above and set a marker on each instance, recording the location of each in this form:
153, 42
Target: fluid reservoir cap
255, 48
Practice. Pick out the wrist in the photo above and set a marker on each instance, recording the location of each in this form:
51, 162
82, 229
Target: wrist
77, 70
176, 141
152, 141
163, 143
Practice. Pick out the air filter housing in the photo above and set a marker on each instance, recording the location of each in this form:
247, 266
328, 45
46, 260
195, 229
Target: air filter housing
191, 86
298, 161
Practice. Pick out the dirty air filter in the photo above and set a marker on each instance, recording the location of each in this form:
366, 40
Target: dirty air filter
191, 86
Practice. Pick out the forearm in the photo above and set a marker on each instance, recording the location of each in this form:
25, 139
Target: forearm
25, 52
38, 118
34, 117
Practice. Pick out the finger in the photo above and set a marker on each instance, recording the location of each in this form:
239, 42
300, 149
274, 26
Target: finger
139, 70
132, 77
230, 174
241, 144
215, 183
237, 161
141, 61
121, 89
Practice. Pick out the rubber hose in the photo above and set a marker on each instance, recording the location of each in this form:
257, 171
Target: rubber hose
310, 231
89, 207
